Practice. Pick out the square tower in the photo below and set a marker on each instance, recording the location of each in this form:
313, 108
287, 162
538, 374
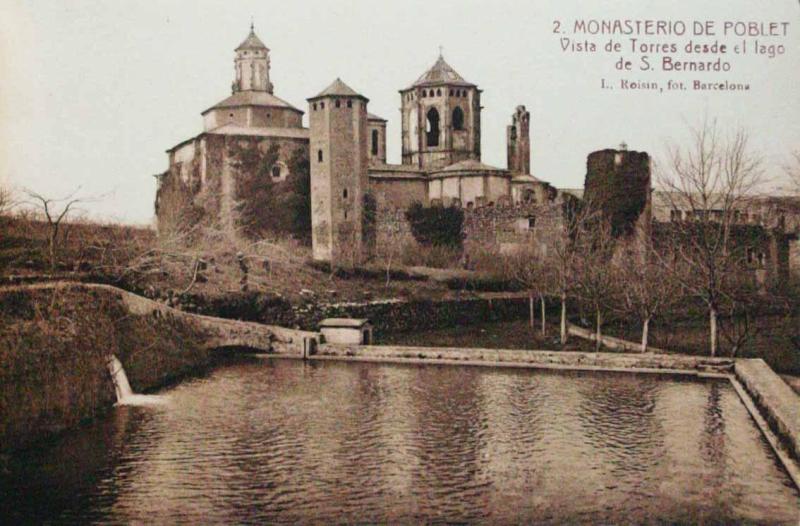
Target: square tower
339, 163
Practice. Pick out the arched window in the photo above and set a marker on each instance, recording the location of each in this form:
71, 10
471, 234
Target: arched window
374, 142
319, 156
438, 92
424, 93
338, 103
458, 119
432, 128
276, 172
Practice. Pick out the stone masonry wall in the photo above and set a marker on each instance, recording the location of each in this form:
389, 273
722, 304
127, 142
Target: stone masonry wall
502, 226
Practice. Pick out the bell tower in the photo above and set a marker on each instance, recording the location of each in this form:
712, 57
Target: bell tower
252, 65
441, 119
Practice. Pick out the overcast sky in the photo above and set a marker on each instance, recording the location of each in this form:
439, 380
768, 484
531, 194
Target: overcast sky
93, 92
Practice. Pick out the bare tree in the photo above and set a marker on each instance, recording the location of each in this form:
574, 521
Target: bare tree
393, 240
564, 253
595, 278
651, 282
530, 269
6, 201
793, 171
711, 178
54, 211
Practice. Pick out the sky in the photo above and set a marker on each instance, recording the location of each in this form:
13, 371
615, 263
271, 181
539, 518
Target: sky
94, 92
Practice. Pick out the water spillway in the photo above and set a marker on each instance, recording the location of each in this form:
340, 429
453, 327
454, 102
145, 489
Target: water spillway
121, 385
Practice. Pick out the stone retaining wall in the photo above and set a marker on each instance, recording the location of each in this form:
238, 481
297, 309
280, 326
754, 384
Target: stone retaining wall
544, 359
412, 315
55, 340
775, 400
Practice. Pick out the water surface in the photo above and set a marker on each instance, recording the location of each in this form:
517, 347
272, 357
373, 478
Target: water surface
286, 441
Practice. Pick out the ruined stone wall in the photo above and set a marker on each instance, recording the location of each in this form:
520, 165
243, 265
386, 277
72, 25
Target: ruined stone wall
518, 142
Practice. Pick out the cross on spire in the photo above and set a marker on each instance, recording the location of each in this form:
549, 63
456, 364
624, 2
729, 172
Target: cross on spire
441, 49
252, 25
623, 146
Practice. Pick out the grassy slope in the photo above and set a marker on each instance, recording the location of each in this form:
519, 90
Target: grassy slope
53, 349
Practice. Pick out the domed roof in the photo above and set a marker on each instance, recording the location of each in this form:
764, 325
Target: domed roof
252, 42
441, 73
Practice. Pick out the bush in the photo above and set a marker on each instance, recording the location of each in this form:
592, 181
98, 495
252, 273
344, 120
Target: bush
438, 226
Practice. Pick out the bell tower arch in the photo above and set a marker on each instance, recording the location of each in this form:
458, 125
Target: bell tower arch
440, 119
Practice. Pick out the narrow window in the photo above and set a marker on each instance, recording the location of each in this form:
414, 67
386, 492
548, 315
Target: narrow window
458, 119
374, 142
451, 93
338, 103
349, 103
276, 172
319, 156
314, 106
438, 92
424, 94
322, 105
432, 128
344, 193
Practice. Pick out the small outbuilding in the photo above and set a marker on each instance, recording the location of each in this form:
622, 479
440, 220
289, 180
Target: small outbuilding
346, 330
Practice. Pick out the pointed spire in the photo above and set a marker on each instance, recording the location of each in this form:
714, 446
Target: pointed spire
252, 41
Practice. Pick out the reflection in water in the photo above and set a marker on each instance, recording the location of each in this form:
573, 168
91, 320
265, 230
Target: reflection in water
279, 441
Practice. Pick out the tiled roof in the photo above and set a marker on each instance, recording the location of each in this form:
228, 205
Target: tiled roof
441, 73
252, 98
470, 165
373, 117
232, 129
525, 178
252, 42
338, 89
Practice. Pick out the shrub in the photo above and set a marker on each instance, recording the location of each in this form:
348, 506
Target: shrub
438, 226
